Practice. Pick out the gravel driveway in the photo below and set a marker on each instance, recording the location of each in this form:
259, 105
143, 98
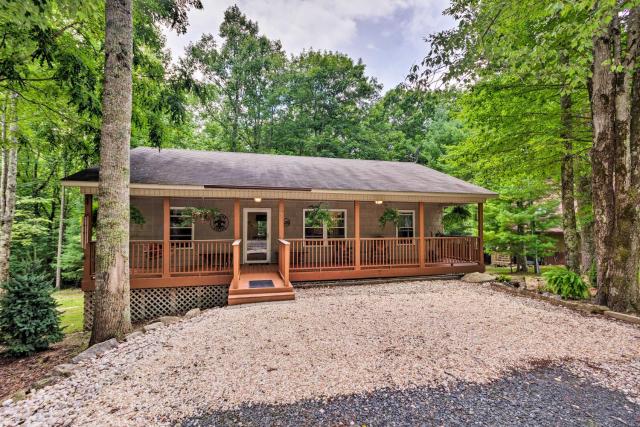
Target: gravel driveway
413, 339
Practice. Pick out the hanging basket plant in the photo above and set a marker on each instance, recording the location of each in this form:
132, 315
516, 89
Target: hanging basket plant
192, 215
389, 215
317, 216
135, 216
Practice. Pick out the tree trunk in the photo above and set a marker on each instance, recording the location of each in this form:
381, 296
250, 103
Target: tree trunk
8, 183
111, 297
569, 226
60, 238
587, 244
615, 163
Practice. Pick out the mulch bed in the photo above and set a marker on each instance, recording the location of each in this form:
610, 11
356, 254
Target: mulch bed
22, 374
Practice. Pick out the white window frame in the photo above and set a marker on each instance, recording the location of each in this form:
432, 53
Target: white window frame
193, 231
413, 226
324, 239
245, 218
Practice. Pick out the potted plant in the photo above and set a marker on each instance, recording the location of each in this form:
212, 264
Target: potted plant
389, 215
318, 215
192, 215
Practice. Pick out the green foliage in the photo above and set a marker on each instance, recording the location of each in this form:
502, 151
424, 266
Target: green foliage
458, 220
72, 252
29, 321
391, 215
516, 222
136, 216
192, 215
566, 283
503, 278
318, 216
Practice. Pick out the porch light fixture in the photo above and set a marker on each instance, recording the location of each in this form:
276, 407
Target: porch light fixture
378, 202
257, 199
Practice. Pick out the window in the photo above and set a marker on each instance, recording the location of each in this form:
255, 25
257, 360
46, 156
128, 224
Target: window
179, 229
406, 224
338, 230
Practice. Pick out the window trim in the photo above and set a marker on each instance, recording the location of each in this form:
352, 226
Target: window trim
324, 239
413, 226
193, 230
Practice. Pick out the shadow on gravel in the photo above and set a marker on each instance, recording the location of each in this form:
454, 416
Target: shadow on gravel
546, 396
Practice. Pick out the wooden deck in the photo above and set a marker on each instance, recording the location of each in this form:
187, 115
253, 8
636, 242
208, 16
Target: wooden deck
242, 293
207, 263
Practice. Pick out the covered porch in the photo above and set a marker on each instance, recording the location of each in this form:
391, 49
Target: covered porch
282, 252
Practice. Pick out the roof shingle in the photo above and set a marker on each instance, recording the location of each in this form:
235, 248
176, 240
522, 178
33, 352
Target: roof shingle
249, 170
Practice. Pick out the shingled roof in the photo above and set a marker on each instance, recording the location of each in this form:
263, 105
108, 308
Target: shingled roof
213, 169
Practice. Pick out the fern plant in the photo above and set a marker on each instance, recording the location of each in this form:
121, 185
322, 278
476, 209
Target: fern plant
566, 283
391, 215
503, 278
319, 215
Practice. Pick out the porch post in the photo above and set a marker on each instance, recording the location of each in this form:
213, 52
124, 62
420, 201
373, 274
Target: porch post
480, 236
421, 242
281, 219
166, 243
356, 225
236, 219
86, 239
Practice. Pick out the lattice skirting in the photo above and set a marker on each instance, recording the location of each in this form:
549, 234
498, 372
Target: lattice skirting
151, 303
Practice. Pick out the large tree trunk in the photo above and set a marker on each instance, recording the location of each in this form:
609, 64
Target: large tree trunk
111, 298
570, 229
8, 184
615, 162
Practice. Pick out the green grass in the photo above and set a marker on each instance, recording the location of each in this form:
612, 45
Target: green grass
505, 270
70, 304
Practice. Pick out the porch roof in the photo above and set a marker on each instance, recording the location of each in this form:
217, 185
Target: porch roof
218, 170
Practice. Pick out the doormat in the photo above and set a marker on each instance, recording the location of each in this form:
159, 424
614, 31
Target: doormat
261, 284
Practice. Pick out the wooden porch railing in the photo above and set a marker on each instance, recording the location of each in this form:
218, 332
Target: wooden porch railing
451, 250
381, 252
145, 258
213, 257
322, 254
201, 256
389, 252
192, 257
284, 258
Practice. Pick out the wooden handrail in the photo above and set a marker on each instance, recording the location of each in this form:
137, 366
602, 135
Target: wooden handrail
284, 259
236, 262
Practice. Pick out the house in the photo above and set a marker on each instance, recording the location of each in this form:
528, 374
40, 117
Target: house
254, 231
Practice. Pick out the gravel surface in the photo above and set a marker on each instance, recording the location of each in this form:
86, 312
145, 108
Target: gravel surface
334, 341
541, 397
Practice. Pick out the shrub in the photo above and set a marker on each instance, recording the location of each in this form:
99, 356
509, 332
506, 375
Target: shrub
503, 278
566, 283
29, 321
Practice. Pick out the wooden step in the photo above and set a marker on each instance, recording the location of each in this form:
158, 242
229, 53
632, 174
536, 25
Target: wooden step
284, 295
249, 291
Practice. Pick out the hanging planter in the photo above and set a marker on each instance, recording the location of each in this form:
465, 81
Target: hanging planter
192, 215
389, 215
318, 216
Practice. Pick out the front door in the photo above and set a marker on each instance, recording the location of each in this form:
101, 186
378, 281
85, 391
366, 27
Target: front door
257, 235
